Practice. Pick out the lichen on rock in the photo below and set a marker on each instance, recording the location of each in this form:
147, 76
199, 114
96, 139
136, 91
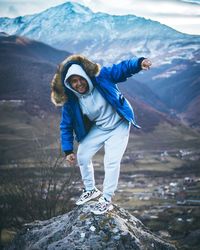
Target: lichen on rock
80, 229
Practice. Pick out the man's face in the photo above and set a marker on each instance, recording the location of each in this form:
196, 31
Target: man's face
79, 84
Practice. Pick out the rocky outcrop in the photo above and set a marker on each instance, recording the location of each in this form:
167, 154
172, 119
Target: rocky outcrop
81, 230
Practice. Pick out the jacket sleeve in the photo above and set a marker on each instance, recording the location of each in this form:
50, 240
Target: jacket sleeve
120, 72
66, 130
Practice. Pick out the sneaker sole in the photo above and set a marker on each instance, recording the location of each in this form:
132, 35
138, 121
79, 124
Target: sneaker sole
95, 195
103, 212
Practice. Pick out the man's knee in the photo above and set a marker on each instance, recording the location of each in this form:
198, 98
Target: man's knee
82, 156
112, 160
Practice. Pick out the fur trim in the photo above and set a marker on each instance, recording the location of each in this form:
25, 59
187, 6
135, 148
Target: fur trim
58, 95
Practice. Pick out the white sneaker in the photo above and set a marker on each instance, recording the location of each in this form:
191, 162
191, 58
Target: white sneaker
87, 196
102, 206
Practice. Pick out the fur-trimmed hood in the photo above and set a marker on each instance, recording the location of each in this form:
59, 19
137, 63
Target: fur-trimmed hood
58, 93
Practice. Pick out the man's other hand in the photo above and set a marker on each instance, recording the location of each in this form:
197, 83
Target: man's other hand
146, 64
71, 159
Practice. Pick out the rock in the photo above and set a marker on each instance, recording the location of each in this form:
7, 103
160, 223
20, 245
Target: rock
192, 239
80, 229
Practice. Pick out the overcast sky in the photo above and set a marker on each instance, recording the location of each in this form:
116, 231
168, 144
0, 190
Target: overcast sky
182, 15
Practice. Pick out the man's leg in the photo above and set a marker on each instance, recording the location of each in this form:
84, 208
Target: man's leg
86, 150
115, 147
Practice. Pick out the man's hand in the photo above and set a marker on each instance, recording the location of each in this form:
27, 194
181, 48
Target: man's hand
146, 64
71, 159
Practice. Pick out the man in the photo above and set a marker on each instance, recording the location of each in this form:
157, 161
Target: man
99, 115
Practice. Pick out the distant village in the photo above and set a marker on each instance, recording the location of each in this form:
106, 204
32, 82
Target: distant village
180, 190
184, 191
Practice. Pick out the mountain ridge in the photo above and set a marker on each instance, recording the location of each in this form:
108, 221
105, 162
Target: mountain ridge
33, 87
105, 33
109, 39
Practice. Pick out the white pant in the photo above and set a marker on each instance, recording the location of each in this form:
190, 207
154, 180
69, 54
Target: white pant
115, 142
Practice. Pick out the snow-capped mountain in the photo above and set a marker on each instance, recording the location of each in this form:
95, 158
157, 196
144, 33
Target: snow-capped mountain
174, 77
75, 28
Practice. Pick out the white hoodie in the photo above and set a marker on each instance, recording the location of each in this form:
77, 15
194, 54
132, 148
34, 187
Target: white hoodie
92, 102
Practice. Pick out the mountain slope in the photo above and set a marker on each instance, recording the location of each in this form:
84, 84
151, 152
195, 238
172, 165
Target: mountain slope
192, 113
136, 89
26, 69
107, 39
76, 28
177, 85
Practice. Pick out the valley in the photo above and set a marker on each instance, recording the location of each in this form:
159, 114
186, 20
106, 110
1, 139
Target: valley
159, 171
160, 178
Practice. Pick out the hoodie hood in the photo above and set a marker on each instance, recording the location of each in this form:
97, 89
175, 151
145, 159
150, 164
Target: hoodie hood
58, 87
76, 69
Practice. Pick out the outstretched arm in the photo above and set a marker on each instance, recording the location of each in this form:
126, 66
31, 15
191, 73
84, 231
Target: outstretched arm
120, 72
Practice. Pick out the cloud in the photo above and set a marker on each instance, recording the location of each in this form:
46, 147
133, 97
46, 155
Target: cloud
192, 1
13, 10
173, 1
182, 15
176, 15
144, 7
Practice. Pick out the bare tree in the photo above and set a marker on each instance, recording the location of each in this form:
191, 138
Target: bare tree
37, 193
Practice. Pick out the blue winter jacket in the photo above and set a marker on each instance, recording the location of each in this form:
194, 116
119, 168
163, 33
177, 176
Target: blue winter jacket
73, 122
